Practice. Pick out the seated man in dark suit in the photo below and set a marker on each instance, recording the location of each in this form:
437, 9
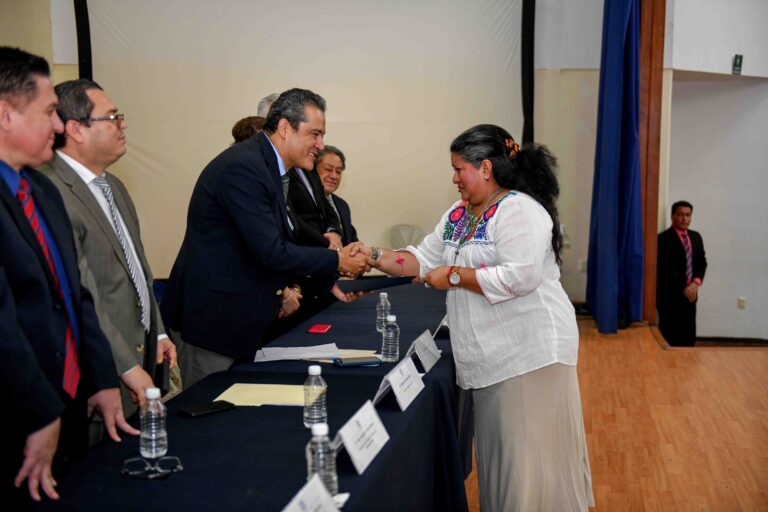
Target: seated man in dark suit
239, 251
331, 163
681, 264
56, 364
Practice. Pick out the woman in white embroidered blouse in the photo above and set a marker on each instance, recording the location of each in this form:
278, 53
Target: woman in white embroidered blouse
513, 328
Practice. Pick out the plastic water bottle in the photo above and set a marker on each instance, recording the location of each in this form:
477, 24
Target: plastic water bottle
321, 458
153, 442
390, 346
382, 310
315, 390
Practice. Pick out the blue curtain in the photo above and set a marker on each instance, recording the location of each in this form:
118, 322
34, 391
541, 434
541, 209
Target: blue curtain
615, 264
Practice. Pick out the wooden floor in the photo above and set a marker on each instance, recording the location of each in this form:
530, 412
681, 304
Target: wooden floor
668, 430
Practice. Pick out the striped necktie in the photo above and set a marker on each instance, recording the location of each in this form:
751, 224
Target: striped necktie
688, 257
139, 284
71, 363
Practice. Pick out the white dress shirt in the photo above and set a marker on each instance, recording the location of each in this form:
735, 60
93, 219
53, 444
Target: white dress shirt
523, 320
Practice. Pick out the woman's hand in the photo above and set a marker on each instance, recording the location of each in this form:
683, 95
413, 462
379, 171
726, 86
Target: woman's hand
437, 279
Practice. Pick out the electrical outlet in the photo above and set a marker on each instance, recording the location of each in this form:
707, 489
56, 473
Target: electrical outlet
741, 302
583, 266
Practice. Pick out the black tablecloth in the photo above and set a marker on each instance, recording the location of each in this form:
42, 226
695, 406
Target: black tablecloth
252, 458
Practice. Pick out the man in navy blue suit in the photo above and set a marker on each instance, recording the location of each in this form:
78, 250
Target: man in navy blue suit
55, 362
239, 252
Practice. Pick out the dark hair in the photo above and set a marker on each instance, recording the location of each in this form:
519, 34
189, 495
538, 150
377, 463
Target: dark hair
291, 106
74, 104
18, 73
247, 127
336, 151
678, 204
530, 170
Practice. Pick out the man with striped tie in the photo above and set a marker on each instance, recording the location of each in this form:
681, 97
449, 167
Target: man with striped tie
56, 365
681, 264
107, 240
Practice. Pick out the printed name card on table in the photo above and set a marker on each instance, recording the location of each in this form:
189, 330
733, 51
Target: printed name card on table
363, 436
425, 348
404, 380
313, 497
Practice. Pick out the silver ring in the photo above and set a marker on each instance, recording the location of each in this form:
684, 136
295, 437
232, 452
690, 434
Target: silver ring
426, 285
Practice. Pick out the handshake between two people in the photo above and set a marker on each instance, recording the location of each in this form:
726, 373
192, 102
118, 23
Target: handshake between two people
355, 259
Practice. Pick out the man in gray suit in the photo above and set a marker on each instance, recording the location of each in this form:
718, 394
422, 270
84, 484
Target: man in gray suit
106, 230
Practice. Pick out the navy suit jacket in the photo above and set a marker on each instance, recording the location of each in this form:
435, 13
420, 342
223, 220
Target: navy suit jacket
238, 253
350, 233
34, 316
311, 217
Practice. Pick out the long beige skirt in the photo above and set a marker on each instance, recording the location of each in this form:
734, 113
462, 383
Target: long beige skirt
531, 447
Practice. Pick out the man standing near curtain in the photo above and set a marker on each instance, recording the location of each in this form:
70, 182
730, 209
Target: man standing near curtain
109, 250
55, 362
681, 265
331, 163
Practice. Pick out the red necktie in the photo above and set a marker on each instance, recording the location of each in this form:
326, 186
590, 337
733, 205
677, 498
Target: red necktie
688, 258
71, 365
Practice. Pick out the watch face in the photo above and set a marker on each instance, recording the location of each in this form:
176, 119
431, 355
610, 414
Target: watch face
454, 278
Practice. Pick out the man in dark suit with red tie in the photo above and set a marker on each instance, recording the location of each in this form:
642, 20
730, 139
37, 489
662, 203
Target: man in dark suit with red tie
681, 265
55, 362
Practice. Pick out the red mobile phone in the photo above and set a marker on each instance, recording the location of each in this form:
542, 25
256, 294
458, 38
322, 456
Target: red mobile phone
319, 328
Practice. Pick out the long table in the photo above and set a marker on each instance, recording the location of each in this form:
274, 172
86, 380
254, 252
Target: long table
252, 458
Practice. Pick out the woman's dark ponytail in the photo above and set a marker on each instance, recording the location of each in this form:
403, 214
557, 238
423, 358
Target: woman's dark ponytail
530, 169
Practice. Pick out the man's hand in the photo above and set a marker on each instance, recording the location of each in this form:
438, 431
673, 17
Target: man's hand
691, 291
352, 264
108, 402
166, 348
334, 240
291, 298
137, 381
438, 278
38, 455
345, 297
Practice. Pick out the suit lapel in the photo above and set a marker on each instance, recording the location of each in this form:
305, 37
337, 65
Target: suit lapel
14, 209
60, 230
131, 224
273, 170
81, 191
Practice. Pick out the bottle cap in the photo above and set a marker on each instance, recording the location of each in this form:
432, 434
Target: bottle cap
383, 295
391, 318
152, 393
315, 369
320, 429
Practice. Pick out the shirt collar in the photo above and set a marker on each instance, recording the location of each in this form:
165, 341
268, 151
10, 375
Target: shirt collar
680, 232
85, 173
10, 176
280, 163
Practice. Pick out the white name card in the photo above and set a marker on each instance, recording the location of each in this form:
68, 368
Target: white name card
313, 497
424, 346
363, 436
405, 380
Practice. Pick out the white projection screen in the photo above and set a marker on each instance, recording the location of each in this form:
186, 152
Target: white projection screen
401, 79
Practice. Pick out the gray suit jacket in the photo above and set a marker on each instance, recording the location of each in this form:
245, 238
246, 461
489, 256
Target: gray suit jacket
104, 271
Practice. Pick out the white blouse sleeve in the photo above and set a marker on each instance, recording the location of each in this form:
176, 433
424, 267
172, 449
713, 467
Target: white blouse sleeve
430, 251
522, 234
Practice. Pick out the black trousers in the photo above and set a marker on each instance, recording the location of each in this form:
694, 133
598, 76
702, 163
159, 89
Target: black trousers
677, 322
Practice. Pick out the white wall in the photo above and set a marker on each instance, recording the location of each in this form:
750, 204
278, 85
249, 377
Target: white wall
718, 158
704, 35
567, 61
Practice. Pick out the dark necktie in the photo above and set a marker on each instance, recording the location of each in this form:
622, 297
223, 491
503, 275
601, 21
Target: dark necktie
142, 291
286, 183
71, 365
688, 258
